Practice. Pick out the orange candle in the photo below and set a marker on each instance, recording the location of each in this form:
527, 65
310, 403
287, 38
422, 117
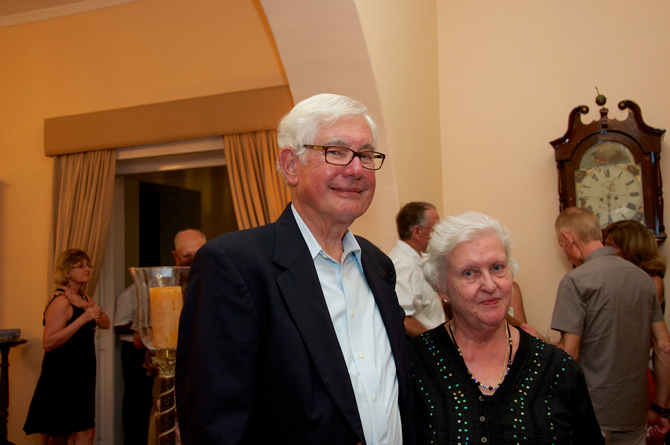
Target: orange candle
165, 304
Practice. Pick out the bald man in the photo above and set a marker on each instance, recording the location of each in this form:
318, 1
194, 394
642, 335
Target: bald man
186, 244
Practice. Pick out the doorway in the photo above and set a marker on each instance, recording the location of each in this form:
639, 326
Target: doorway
195, 174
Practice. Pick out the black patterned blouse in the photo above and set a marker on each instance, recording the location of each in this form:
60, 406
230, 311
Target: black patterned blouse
543, 399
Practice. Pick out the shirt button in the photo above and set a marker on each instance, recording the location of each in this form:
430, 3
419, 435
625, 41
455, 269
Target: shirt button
353, 314
361, 355
482, 418
481, 398
484, 440
374, 397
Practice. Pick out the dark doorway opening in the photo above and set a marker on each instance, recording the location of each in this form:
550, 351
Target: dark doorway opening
164, 211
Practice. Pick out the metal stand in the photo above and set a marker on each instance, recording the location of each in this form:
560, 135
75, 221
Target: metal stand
165, 362
4, 388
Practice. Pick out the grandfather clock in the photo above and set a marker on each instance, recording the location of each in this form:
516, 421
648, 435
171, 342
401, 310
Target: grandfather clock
612, 167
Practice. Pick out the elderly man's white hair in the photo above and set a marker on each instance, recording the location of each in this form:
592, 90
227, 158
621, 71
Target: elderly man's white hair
454, 230
301, 125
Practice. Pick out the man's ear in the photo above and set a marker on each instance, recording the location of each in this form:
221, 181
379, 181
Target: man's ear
415, 232
287, 163
569, 238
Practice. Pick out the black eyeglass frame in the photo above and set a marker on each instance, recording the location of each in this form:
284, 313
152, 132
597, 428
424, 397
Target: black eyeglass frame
358, 154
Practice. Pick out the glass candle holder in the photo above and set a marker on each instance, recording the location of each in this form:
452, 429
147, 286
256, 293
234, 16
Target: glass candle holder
160, 297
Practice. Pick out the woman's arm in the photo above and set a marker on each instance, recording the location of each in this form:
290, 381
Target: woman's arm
660, 288
103, 321
56, 329
517, 304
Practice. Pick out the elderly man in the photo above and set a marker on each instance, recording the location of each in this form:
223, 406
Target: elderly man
137, 391
291, 332
606, 310
423, 307
186, 244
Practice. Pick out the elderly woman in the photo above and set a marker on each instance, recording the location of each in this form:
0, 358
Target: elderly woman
476, 378
64, 401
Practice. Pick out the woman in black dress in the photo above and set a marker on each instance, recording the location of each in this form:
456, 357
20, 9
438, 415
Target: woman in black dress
478, 379
64, 401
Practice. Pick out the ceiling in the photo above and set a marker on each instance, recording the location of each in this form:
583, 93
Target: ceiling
17, 12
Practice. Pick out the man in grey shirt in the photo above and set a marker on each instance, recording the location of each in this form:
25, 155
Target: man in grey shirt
606, 310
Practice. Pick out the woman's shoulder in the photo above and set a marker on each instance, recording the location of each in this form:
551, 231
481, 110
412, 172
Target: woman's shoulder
430, 342
59, 301
58, 306
547, 353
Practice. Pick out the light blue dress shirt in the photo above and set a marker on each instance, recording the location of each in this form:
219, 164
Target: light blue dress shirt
362, 336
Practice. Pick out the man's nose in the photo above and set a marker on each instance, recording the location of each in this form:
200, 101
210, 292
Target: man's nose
354, 168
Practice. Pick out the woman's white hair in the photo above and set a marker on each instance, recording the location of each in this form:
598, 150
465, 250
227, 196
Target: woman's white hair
302, 124
451, 231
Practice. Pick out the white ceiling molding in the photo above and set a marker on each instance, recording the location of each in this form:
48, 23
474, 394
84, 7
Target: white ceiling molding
59, 11
323, 50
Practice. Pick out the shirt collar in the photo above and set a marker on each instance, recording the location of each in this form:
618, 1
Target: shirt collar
349, 243
408, 250
601, 251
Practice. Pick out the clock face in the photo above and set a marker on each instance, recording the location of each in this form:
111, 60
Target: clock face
611, 192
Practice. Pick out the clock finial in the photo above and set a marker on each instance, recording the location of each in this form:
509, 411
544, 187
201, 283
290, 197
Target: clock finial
600, 99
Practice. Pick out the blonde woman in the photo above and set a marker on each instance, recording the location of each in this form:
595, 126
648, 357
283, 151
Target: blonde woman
63, 405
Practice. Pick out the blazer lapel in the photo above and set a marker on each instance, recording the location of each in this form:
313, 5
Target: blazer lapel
301, 289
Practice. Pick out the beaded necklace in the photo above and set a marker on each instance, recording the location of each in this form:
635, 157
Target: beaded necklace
507, 365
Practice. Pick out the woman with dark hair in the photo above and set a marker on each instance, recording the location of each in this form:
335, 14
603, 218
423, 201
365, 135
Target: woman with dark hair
632, 241
64, 401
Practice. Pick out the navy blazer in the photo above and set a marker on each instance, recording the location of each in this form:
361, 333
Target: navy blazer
258, 358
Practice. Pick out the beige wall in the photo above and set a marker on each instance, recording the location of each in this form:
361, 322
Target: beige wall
509, 75
402, 42
144, 52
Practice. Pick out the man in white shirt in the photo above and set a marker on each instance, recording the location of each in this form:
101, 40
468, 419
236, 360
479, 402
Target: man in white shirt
291, 332
422, 305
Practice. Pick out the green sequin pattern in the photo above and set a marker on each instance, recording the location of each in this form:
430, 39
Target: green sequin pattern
541, 400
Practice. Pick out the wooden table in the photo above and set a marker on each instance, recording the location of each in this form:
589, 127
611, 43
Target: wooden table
4, 387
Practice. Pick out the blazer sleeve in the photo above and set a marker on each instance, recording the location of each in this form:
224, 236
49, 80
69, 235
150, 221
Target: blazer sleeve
218, 346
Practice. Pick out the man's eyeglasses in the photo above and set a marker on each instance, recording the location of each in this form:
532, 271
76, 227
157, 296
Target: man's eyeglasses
83, 266
371, 160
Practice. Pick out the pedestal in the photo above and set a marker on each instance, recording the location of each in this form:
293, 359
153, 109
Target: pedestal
4, 388
165, 362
